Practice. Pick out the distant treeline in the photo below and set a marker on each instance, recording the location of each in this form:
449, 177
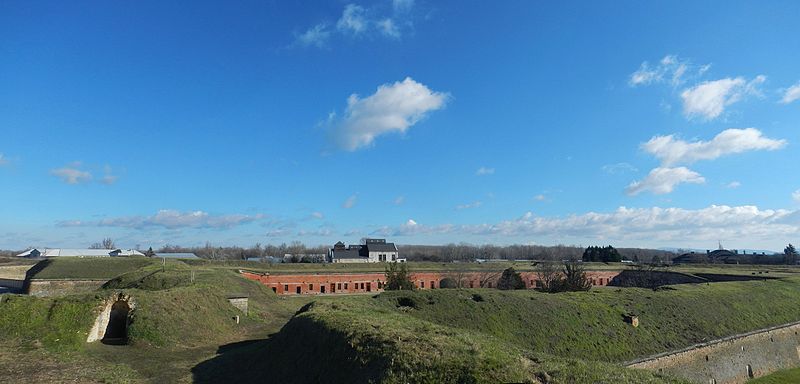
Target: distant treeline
438, 253
469, 252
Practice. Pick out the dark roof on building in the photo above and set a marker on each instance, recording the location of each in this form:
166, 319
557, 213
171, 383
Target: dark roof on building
381, 247
346, 254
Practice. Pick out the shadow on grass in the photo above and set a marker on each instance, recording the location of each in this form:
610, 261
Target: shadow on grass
302, 352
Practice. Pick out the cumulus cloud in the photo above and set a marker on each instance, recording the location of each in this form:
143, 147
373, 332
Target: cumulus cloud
673, 151
796, 195
352, 20
540, 197
357, 21
708, 99
392, 108
791, 94
664, 180
734, 185
72, 174
482, 171
650, 224
474, 204
350, 202
670, 68
168, 218
316, 36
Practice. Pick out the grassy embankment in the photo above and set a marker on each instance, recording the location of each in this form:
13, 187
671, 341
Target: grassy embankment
488, 335
436, 336
789, 376
178, 322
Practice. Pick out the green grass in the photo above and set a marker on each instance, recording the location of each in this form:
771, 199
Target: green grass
55, 323
353, 340
589, 325
183, 328
90, 268
789, 376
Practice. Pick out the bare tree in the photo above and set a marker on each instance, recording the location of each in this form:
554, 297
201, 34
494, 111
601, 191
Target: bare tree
549, 276
488, 277
107, 243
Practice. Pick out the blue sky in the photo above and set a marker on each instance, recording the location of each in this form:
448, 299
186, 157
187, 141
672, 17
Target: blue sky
636, 124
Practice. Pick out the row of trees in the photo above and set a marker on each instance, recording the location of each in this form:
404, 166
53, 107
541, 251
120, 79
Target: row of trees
606, 254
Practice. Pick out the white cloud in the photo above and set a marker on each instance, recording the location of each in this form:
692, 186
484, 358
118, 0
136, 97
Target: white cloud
664, 180
280, 232
791, 94
3, 160
317, 36
399, 200
350, 202
540, 197
352, 20
317, 215
108, 176
734, 185
388, 28
392, 108
482, 171
708, 99
474, 204
673, 151
670, 67
402, 5
618, 168
72, 174
653, 225
169, 218
796, 195
320, 232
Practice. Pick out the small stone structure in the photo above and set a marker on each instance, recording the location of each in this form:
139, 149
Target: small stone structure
111, 325
633, 320
239, 302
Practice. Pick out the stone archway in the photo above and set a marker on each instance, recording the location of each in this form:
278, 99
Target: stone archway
111, 326
117, 329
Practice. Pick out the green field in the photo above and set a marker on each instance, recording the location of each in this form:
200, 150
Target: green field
183, 328
89, 268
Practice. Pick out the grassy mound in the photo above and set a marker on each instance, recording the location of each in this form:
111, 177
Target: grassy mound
351, 340
88, 268
589, 325
55, 323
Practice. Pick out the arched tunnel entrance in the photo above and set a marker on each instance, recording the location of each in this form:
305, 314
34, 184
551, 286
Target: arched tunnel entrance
117, 329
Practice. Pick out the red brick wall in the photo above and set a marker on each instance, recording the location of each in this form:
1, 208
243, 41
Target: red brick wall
373, 282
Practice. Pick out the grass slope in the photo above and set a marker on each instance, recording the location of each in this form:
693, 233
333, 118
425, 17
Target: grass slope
348, 340
89, 268
789, 376
589, 325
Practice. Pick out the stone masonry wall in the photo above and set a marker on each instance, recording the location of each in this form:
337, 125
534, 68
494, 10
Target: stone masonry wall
62, 287
732, 360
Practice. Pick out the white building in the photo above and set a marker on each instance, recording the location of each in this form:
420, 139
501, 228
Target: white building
372, 251
34, 253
